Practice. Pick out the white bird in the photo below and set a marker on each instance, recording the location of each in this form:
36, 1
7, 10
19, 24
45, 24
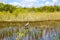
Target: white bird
26, 24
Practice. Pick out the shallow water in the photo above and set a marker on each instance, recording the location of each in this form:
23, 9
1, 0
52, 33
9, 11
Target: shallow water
47, 30
30, 33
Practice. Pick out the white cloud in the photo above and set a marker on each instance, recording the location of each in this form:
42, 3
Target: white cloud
47, 3
15, 4
25, 3
22, 4
29, 3
55, 1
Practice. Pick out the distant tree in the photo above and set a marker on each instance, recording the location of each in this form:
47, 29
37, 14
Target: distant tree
1, 7
7, 7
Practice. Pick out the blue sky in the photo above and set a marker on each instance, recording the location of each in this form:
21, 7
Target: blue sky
31, 3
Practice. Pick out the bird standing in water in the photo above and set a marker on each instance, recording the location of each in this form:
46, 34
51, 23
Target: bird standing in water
26, 25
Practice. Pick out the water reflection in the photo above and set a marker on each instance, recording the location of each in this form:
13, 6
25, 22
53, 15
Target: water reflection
31, 33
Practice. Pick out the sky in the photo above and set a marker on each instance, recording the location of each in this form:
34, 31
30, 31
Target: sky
31, 3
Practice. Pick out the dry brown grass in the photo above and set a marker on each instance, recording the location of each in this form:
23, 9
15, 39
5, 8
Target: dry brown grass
31, 16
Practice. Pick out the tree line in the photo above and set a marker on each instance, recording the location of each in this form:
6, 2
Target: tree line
11, 8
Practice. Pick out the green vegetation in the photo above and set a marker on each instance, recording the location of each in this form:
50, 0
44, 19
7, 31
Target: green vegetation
7, 7
11, 8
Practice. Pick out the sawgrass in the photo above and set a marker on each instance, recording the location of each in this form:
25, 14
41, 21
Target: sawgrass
29, 16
